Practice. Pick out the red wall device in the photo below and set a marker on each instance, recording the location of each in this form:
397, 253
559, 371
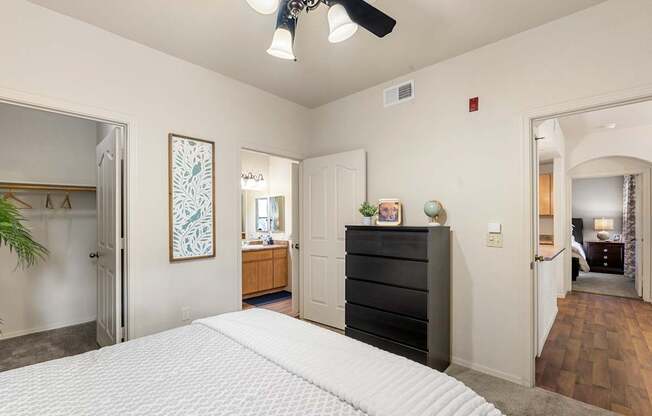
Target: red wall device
474, 104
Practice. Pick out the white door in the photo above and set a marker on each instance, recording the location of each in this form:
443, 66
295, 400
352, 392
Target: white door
109, 282
333, 187
295, 240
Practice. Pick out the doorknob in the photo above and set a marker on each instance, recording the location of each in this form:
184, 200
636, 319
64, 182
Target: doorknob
539, 259
94, 255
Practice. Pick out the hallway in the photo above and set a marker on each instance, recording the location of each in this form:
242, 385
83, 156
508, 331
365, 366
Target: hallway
599, 351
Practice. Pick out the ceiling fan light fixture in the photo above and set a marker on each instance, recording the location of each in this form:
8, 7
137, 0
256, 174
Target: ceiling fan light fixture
282, 44
264, 6
340, 23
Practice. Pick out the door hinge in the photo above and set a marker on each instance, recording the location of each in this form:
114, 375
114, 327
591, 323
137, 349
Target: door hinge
122, 244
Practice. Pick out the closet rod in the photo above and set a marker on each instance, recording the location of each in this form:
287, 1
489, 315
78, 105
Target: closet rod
14, 186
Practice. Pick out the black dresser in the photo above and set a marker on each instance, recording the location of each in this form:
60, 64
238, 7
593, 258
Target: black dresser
606, 257
398, 290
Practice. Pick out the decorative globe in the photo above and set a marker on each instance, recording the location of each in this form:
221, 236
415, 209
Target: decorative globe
432, 208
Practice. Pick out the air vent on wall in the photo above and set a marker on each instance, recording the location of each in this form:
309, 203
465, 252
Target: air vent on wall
399, 93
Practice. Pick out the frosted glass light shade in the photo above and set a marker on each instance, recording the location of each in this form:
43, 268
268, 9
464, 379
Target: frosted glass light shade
282, 45
264, 6
341, 25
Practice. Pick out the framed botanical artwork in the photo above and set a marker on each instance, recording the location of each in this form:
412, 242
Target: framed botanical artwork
390, 212
191, 191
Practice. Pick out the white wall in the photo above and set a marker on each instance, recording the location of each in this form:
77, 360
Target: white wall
621, 142
256, 163
277, 172
53, 56
597, 198
431, 147
48, 148
280, 184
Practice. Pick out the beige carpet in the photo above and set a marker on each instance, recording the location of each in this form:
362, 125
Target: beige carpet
515, 400
605, 284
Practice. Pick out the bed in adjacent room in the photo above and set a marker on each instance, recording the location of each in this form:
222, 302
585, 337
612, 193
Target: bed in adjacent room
579, 262
254, 362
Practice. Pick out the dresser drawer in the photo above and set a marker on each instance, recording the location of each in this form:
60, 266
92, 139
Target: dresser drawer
409, 331
398, 244
409, 302
388, 345
397, 272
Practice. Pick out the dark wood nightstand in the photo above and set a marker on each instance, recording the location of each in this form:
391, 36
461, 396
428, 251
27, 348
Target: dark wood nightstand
606, 257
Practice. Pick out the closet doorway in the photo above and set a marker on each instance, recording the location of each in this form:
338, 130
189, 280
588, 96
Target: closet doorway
66, 176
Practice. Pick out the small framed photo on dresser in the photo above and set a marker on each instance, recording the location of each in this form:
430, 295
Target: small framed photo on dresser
390, 212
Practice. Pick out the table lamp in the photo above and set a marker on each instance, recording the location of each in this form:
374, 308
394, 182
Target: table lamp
603, 226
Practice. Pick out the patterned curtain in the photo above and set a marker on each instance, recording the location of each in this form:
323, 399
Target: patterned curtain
629, 225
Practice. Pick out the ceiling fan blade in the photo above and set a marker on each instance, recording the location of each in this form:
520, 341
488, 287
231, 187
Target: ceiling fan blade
368, 17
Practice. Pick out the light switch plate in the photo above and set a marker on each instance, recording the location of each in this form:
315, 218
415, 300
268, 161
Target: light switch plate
495, 227
495, 240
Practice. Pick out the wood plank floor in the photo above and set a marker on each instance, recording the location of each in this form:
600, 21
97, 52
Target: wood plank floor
283, 306
599, 351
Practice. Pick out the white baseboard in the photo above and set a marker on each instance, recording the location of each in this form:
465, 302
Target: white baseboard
49, 327
490, 371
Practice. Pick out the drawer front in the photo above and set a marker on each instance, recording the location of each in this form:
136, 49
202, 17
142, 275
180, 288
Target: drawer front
409, 302
408, 331
401, 244
397, 272
257, 255
388, 345
280, 253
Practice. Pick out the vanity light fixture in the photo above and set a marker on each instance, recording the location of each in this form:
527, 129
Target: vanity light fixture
251, 182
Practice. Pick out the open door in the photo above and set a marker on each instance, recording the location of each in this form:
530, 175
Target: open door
109, 268
333, 187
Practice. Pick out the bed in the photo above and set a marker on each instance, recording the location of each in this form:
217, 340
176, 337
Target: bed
254, 362
579, 262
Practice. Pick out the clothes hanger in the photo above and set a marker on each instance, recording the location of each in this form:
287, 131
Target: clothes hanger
10, 195
66, 202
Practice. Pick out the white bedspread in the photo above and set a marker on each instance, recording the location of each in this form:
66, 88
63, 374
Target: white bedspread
372, 380
578, 252
252, 363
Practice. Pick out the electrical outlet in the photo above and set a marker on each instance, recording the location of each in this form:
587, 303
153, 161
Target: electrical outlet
495, 240
185, 314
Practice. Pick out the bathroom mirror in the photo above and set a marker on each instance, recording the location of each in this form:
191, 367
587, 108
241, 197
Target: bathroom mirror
270, 214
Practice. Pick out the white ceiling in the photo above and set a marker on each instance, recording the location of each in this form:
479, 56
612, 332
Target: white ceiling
577, 126
229, 37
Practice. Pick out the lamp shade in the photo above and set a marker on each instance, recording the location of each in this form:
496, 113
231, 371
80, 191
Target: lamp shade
603, 224
340, 23
264, 6
282, 44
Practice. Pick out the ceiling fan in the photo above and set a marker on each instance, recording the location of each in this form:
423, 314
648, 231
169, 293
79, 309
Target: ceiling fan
344, 18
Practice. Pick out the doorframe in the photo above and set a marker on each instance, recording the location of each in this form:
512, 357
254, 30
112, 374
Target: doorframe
646, 175
530, 188
270, 151
129, 124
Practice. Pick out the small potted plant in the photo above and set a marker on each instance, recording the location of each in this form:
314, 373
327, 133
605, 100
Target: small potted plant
368, 211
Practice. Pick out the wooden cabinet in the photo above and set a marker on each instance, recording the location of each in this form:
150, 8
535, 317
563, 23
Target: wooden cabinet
249, 277
280, 268
264, 270
606, 257
546, 207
